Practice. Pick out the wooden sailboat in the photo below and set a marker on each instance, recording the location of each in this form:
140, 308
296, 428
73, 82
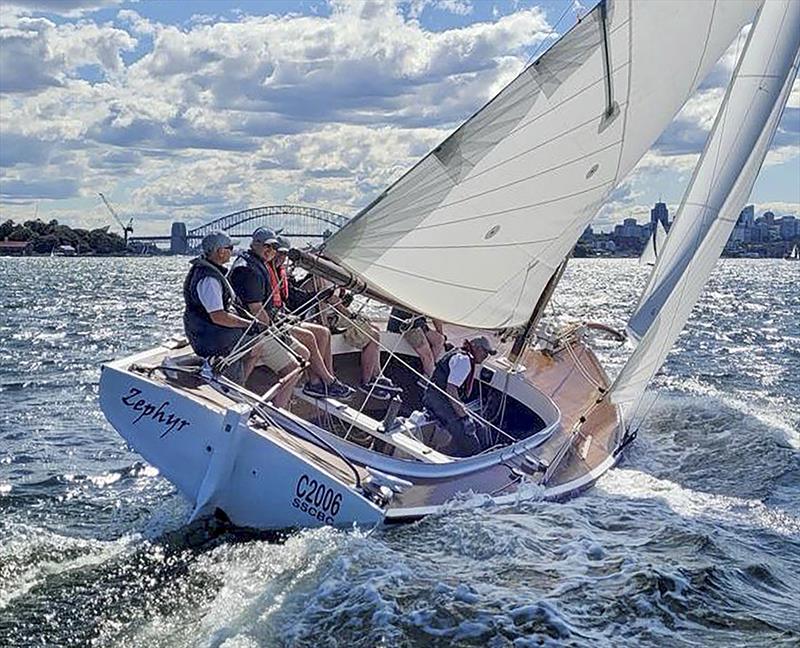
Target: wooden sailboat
477, 235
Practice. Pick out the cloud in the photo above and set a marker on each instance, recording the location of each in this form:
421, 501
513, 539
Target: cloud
71, 8
18, 149
55, 188
36, 54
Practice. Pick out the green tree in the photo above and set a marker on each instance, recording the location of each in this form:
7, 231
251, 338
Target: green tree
22, 233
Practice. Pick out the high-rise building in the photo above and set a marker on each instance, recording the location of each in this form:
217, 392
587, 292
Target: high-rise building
747, 216
660, 213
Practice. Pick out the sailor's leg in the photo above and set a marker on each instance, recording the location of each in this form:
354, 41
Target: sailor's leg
323, 338
436, 342
284, 394
370, 360
419, 342
318, 370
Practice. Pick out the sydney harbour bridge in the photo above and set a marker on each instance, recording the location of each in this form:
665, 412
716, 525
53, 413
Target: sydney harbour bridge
295, 221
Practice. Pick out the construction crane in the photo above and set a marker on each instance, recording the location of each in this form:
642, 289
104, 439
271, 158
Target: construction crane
125, 228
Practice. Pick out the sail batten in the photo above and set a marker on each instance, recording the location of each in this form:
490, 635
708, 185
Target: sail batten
501, 202
723, 179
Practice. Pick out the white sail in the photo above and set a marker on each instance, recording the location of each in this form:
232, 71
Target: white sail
474, 231
733, 155
654, 245
747, 105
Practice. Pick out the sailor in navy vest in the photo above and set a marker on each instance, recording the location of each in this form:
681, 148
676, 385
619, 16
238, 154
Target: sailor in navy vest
256, 280
454, 374
214, 328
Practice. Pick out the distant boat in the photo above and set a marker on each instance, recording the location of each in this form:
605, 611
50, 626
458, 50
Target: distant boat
478, 234
655, 243
794, 255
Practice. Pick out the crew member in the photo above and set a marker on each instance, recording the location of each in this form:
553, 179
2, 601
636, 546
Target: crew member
256, 281
214, 328
454, 374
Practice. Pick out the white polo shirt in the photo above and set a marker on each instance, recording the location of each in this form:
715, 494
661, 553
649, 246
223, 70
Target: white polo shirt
209, 291
460, 366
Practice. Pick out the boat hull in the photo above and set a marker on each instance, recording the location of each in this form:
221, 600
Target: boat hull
219, 462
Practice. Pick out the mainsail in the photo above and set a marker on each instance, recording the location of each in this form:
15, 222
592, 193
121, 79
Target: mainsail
473, 232
654, 245
722, 182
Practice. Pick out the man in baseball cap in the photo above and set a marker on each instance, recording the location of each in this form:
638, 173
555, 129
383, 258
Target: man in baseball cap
451, 385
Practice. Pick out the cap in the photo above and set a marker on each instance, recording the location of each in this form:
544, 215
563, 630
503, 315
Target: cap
283, 244
265, 236
482, 342
214, 241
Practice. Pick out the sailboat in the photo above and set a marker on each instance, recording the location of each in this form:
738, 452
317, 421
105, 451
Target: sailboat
794, 255
654, 244
477, 235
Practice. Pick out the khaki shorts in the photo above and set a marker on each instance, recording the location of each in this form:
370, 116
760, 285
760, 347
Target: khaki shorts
355, 336
274, 355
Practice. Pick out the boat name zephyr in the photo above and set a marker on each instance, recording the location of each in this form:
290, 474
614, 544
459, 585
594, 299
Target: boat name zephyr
156, 412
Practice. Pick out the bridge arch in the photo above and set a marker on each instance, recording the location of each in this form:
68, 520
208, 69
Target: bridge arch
295, 220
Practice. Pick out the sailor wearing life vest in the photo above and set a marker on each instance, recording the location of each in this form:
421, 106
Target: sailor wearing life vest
211, 322
454, 374
257, 281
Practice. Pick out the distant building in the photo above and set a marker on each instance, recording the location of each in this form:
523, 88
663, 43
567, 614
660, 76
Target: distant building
15, 248
747, 216
178, 240
789, 228
660, 213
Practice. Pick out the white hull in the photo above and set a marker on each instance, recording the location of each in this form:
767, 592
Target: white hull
218, 461
293, 473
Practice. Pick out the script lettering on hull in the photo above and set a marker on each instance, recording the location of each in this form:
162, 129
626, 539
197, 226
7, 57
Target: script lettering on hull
158, 413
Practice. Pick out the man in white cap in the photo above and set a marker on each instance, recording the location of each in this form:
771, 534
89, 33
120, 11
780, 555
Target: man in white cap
257, 283
212, 325
451, 384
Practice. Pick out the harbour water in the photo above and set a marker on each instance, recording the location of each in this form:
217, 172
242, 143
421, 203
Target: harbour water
693, 541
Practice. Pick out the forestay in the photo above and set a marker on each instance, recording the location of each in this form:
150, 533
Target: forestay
474, 231
722, 182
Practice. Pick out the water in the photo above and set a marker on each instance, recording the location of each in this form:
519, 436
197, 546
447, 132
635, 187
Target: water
694, 541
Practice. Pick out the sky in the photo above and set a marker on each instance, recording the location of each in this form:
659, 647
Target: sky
192, 110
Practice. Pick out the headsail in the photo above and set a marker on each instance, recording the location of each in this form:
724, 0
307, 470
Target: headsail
654, 245
722, 182
473, 233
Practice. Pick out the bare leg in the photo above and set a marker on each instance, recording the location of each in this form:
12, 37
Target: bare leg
323, 337
318, 369
436, 340
370, 359
284, 394
426, 356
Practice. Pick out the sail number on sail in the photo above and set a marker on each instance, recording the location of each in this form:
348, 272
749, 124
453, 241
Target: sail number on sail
316, 499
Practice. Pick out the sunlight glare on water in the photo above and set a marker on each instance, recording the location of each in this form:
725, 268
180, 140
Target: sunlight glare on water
694, 540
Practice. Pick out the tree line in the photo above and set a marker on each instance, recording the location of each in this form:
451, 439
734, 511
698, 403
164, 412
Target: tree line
47, 236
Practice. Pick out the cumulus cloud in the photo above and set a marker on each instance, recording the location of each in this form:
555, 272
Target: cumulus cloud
215, 114
36, 54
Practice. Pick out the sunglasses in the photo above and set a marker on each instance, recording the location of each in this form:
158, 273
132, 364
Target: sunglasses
228, 247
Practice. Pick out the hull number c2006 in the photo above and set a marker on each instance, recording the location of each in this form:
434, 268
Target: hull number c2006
317, 500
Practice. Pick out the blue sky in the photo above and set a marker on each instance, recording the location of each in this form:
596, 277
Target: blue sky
191, 110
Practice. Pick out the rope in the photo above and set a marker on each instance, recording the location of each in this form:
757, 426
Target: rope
429, 383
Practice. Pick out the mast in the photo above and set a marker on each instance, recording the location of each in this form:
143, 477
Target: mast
521, 340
